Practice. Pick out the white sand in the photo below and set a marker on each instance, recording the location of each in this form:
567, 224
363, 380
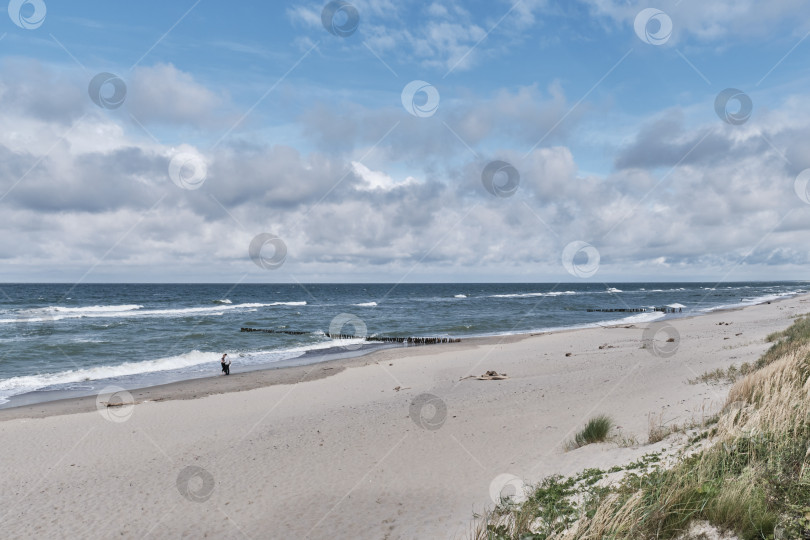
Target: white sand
340, 457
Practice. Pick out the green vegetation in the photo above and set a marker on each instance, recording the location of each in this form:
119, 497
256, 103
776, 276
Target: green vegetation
752, 477
660, 430
728, 376
596, 430
553, 504
786, 342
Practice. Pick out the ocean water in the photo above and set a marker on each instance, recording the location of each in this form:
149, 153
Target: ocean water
59, 341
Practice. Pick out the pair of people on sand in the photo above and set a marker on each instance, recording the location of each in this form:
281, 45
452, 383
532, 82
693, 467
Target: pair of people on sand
226, 364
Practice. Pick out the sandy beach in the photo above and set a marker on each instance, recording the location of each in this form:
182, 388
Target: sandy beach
401, 443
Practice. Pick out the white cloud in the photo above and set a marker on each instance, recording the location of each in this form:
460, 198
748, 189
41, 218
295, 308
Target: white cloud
416, 200
442, 34
306, 15
164, 94
715, 20
377, 179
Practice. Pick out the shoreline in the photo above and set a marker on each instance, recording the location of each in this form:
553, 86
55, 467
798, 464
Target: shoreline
200, 387
401, 443
243, 381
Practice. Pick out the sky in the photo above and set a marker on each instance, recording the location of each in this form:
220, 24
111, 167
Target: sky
408, 141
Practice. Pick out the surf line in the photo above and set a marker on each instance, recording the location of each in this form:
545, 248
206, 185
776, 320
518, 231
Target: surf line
384, 339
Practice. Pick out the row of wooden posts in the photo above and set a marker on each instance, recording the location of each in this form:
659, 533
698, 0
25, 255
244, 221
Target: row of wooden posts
622, 310
665, 309
383, 339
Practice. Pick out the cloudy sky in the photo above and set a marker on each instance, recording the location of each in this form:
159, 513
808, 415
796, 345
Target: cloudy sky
384, 141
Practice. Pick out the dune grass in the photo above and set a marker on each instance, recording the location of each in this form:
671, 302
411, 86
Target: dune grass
751, 478
596, 430
724, 376
787, 341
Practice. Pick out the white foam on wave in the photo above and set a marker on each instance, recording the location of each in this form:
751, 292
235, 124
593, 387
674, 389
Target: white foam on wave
638, 318
460, 296
752, 301
531, 295
330, 343
94, 309
367, 304
92, 312
29, 383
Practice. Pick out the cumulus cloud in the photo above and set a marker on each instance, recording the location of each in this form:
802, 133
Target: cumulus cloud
43, 93
378, 180
664, 142
163, 94
524, 116
88, 188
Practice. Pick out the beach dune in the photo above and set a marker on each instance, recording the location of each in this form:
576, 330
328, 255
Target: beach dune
396, 444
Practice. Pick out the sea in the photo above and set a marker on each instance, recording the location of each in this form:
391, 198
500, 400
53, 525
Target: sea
66, 340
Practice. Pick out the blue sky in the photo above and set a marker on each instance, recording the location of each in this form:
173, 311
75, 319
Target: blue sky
241, 50
303, 134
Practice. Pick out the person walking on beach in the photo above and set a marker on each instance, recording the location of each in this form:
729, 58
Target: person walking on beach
226, 364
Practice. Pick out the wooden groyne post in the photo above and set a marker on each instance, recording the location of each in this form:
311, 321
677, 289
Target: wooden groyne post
664, 309
381, 339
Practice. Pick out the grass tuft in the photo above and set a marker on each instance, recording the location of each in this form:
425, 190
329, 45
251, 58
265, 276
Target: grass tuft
596, 430
724, 376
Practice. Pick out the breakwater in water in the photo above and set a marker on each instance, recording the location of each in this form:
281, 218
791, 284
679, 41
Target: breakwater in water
382, 339
665, 309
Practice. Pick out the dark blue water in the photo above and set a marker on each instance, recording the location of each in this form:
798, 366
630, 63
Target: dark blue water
59, 340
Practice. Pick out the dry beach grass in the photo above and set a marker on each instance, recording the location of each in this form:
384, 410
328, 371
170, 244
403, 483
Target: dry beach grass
752, 480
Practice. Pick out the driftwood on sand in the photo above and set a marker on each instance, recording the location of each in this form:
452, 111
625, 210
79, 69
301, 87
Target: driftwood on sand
488, 376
